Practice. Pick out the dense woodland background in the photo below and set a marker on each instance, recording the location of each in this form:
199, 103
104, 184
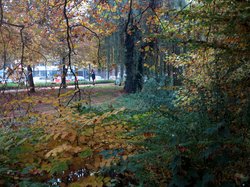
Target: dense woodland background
182, 115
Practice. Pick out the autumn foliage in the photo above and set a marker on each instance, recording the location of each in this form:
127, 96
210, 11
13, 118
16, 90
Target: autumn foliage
186, 123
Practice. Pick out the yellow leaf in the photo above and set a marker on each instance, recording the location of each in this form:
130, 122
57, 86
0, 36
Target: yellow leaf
113, 9
64, 134
64, 147
146, 48
56, 136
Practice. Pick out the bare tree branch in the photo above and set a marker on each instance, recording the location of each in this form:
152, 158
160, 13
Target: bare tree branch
153, 10
13, 25
141, 14
1, 13
129, 15
96, 35
69, 52
42, 55
176, 15
182, 9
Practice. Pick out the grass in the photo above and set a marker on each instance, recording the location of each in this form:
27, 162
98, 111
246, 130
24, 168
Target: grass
15, 85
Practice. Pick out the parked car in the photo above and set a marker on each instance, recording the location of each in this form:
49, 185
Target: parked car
41, 80
97, 77
3, 81
79, 78
59, 79
112, 78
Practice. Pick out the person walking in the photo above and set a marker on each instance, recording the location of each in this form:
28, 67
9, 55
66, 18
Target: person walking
93, 76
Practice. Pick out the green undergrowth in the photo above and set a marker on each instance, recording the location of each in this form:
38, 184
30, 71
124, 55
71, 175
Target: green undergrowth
182, 146
152, 96
144, 139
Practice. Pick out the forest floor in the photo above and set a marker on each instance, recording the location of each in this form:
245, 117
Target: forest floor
40, 101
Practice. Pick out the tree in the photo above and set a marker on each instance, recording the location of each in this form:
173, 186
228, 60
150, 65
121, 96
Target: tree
30, 79
130, 20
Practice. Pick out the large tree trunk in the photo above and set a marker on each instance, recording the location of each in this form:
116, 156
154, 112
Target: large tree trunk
30, 79
133, 63
130, 82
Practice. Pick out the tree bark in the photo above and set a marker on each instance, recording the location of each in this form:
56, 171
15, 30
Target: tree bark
140, 73
64, 74
122, 57
4, 62
130, 63
133, 63
30, 79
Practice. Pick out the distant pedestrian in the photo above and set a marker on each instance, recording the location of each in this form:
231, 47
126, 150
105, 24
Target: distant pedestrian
93, 76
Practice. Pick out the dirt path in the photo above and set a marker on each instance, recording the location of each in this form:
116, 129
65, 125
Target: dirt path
11, 105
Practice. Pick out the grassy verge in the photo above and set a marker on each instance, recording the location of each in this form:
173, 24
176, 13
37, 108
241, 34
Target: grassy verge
9, 86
